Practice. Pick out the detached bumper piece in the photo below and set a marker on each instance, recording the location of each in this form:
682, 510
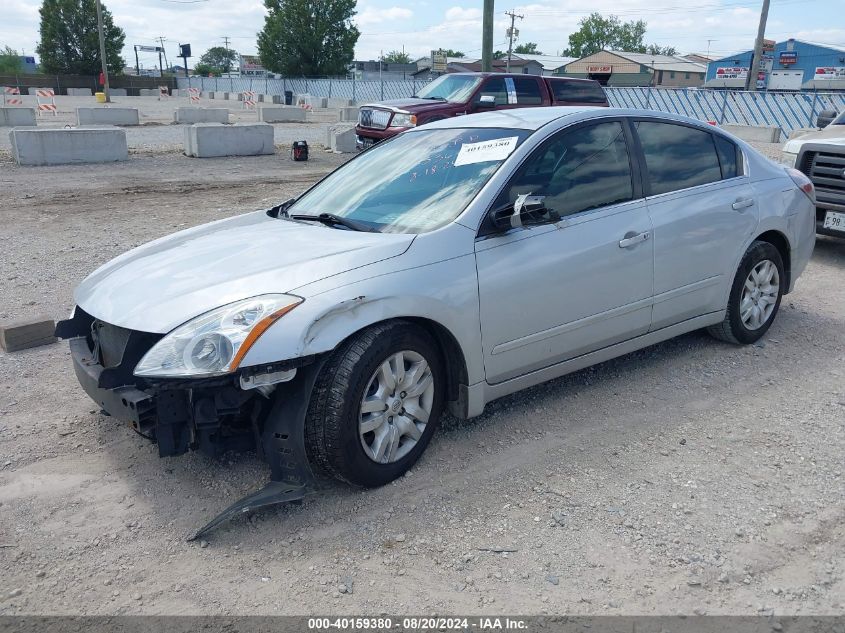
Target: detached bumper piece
211, 415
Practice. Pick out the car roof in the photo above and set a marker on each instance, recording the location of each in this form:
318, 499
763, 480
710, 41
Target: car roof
535, 118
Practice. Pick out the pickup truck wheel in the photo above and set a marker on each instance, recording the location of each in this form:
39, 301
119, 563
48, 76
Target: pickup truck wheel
755, 296
376, 404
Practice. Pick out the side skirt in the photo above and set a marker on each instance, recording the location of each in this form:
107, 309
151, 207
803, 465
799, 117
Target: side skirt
480, 394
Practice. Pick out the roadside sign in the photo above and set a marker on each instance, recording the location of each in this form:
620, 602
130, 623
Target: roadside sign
735, 72
768, 46
829, 73
438, 61
600, 70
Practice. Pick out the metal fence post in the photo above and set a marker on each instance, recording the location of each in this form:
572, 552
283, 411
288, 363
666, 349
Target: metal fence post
382, 90
813, 109
724, 105
330, 87
354, 90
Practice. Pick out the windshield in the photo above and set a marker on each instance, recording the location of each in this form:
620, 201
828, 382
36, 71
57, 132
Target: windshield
417, 182
453, 88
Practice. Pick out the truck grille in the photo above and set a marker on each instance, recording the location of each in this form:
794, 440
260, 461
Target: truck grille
827, 171
372, 118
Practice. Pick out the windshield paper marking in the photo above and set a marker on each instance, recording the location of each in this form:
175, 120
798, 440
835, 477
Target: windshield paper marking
498, 149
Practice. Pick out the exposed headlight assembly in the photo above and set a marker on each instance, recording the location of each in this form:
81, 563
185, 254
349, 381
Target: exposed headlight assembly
216, 342
404, 119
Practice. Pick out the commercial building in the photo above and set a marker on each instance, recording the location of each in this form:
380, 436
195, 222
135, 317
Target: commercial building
789, 65
620, 68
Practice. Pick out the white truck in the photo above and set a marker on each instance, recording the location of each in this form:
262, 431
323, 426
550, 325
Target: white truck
821, 156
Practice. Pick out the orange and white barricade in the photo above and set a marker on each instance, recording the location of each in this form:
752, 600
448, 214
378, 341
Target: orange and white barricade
304, 101
46, 100
248, 100
12, 96
194, 95
163, 93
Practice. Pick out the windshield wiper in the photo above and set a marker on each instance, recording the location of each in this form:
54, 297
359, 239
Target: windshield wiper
331, 219
433, 98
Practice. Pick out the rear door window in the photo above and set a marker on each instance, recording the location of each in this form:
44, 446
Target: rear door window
527, 91
677, 157
728, 158
577, 92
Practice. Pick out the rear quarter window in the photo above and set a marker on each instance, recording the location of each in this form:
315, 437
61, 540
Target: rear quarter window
577, 92
729, 157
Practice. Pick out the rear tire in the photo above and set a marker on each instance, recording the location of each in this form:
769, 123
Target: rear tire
376, 404
755, 296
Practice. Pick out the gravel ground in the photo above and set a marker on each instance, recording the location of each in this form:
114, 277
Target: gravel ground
689, 477
157, 131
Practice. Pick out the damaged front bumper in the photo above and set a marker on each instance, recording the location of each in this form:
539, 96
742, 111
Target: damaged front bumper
212, 415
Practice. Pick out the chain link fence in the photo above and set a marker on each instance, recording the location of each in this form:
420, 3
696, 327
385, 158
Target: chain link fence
787, 111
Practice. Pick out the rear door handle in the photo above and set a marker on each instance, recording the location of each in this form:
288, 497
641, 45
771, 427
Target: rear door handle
630, 239
742, 204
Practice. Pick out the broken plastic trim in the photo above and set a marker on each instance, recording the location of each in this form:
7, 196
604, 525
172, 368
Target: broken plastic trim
282, 445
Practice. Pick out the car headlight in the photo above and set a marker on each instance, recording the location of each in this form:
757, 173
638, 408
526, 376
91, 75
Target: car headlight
216, 342
404, 119
788, 159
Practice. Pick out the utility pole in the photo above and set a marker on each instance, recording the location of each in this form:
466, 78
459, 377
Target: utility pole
487, 38
751, 79
511, 33
226, 44
106, 88
163, 50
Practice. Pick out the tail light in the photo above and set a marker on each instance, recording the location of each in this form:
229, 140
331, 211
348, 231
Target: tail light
803, 183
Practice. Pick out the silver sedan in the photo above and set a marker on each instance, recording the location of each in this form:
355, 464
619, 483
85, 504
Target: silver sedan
457, 263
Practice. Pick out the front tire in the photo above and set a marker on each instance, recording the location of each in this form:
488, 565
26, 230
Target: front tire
376, 404
755, 296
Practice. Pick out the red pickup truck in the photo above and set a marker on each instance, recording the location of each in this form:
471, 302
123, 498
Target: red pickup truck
466, 93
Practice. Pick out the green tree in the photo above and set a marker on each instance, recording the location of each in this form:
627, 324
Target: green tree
69, 40
308, 37
10, 62
529, 48
218, 59
397, 57
448, 52
606, 33
205, 70
499, 54
654, 49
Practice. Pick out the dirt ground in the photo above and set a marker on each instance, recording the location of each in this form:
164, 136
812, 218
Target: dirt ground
691, 477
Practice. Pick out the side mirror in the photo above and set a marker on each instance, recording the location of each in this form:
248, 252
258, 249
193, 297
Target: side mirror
825, 117
486, 101
526, 210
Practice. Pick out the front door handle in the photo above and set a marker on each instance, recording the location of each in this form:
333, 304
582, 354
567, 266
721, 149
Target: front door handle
631, 239
741, 204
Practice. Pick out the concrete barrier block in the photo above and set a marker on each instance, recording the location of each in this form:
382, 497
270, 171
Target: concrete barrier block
226, 96
279, 99
118, 92
20, 335
31, 146
348, 114
320, 102
16, 116
336, 102
341, 139
148, 92
204, 140
107, 116
190, 114
79, 92
281, 114
754, 133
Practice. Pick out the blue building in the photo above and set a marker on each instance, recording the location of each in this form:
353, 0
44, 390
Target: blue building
789, 65
28, 65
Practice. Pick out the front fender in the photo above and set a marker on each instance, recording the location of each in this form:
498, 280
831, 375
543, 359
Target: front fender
445, 292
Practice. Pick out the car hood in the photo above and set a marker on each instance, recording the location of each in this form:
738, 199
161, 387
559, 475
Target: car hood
833, 134
410, 104
158, 286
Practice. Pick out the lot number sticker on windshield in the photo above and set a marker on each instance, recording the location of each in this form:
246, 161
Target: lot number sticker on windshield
498, 149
